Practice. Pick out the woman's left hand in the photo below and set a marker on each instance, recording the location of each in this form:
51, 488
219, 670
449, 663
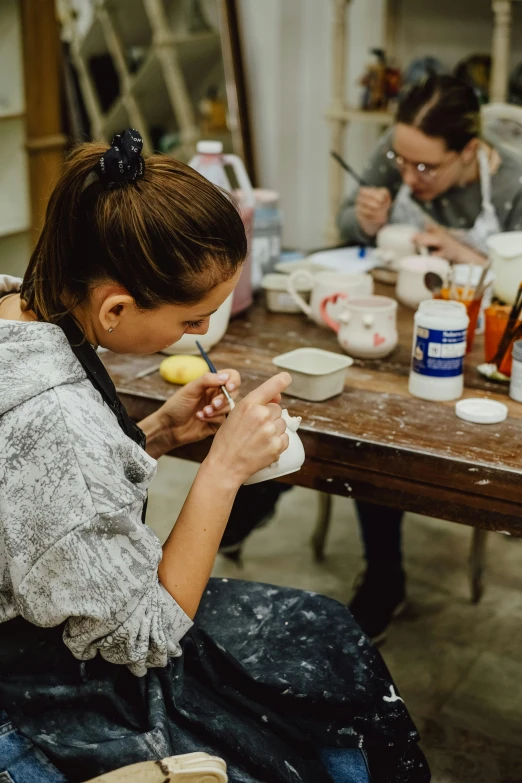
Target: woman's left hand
442, 243
194, 412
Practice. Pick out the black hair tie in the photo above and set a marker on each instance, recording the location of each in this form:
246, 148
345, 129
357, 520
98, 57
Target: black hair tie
122, 163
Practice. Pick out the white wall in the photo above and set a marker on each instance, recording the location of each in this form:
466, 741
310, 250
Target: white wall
287, 48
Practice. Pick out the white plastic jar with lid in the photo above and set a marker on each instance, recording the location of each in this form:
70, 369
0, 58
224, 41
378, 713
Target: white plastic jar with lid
515, 386
439, 348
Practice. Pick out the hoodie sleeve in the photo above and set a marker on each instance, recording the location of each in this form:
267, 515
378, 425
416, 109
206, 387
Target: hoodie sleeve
72, 492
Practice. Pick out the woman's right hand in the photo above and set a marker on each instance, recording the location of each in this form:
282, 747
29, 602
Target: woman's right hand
372, 207
253, 436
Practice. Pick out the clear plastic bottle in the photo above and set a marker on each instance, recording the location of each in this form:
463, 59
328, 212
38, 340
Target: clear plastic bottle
210, 161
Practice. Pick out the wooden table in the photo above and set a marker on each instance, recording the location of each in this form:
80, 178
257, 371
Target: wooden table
374, 442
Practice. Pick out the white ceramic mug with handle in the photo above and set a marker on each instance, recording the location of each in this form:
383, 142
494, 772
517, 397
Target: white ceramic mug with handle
366, 327
323, 285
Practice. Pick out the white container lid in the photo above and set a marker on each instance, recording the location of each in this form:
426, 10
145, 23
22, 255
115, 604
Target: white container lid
481, 411
275, 282
209, 147
507, 244
444, 307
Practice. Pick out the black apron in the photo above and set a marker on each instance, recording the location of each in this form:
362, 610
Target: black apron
267, 675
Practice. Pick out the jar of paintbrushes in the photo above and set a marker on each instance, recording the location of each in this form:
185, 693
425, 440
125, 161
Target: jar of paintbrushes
503, 328
465, 286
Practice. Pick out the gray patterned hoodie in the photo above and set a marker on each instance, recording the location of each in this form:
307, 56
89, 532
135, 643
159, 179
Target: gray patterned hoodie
73, 549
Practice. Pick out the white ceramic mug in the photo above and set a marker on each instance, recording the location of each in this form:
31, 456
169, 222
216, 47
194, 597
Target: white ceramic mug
394, 242
217, 328
323, 284
411, 290
366, 327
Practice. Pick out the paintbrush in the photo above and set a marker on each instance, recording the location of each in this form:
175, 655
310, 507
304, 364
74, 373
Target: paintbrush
213, 369
481, 286
346, 166
363, 184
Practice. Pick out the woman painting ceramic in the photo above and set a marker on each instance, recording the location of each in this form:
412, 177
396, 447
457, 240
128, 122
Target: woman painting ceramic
432, 170
114, 649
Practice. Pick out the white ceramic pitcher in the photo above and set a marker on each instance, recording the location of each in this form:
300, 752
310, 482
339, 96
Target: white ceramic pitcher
366, 327
291, 460
324, 284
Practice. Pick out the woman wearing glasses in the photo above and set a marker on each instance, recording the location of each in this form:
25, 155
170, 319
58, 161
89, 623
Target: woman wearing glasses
434, 171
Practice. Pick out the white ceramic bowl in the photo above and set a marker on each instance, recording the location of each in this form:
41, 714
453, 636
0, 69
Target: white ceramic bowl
316, 374
278, 300
216, 331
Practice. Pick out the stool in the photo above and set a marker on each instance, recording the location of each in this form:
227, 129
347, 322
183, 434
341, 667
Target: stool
477, 556
187, 768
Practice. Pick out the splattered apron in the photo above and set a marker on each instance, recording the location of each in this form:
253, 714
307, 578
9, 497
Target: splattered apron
268, 675
406, 210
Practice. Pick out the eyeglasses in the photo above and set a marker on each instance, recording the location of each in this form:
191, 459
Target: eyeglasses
424, 171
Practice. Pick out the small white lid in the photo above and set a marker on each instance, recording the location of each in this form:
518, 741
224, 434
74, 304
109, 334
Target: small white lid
209, 147
481, 411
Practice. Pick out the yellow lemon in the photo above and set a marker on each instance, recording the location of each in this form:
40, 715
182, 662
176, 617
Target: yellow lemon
182, 369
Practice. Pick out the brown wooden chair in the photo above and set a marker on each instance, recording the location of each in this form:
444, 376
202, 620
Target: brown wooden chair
187, 768
477, 556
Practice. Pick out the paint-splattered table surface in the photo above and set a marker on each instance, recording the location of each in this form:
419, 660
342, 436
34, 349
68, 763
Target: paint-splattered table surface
374, 441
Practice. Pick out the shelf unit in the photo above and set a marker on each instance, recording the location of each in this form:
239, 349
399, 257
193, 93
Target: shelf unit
15, 216
176, 67
340, 114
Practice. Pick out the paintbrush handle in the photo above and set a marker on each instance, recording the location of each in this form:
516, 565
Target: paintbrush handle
347, 168
212, 369
481, 287
510, 328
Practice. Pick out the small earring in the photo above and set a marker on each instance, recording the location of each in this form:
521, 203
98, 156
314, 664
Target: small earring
110, 329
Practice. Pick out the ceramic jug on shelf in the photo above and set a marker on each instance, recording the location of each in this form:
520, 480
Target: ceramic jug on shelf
291, 460
366, 327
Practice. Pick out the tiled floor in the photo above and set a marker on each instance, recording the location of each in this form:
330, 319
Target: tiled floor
459, 666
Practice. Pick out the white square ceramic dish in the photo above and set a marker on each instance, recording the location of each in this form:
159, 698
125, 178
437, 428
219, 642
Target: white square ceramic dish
317, 375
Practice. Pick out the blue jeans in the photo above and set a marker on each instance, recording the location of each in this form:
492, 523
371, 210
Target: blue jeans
21, 761
345, 765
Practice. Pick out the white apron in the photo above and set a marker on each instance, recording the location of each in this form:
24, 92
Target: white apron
406, 210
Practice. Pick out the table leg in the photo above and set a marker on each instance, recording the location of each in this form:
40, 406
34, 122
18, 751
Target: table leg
477, 563
322, 525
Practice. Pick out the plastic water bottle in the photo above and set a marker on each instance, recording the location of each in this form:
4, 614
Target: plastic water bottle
210, 162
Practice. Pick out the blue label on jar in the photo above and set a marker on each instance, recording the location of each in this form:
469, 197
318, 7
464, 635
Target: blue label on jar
439, 354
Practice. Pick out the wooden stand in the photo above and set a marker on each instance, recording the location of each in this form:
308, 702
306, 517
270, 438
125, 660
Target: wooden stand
42, 75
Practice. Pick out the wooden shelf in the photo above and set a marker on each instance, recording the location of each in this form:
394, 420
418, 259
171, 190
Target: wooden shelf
14, 115
12, 231
164, 92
